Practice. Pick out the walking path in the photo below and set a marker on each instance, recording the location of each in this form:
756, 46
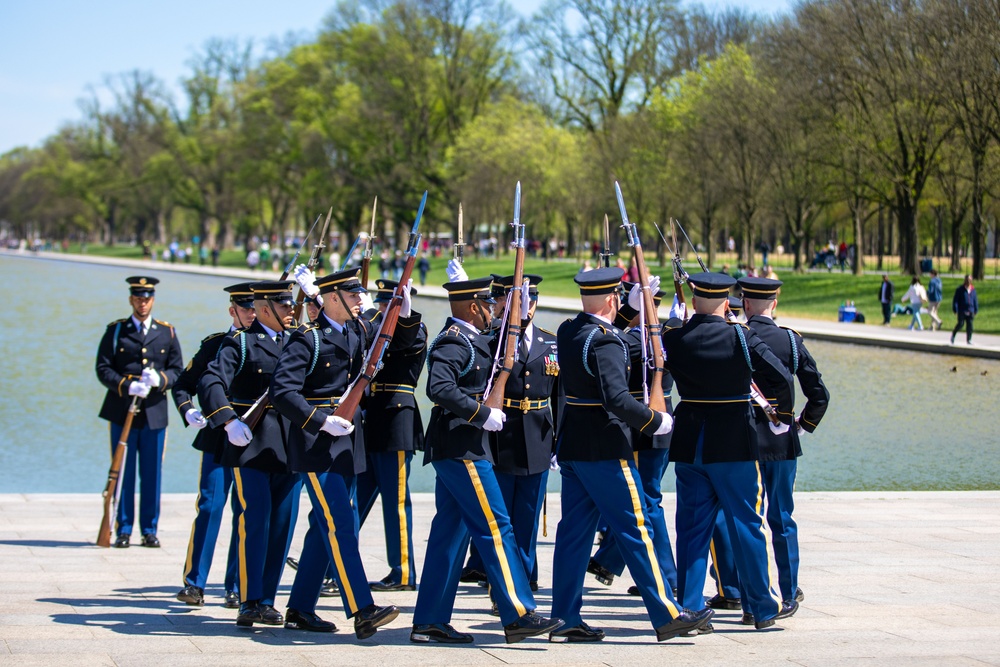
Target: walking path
889, 579
985, 345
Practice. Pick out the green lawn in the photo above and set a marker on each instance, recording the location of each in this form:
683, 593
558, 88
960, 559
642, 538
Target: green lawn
815, 295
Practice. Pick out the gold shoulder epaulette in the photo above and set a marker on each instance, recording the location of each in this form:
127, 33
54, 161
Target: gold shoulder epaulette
308, 326
547, 332
211, 336
601, 327
121, 321
792, 330
453, 330
166, 324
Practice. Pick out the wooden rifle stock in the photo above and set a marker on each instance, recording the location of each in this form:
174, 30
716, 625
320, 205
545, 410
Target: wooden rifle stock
512, 331
110, 489
657, 401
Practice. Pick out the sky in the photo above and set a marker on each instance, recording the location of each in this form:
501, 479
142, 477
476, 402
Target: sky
54, 53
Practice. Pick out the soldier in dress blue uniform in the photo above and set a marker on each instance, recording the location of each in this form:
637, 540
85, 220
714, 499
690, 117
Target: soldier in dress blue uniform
214, 479
714, 445
778, 454
393, 430
467, 498
268, 493
139, 356
523, 450
599, 477
651, 452
317, 367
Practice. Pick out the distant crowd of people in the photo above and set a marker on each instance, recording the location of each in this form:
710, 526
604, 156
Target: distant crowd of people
919, 300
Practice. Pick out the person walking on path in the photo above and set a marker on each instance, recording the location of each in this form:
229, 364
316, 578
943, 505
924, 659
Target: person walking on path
965, 304
934, 295
916, 295
885, 298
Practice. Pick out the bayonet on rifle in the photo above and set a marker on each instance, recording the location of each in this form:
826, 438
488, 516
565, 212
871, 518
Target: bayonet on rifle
460, 242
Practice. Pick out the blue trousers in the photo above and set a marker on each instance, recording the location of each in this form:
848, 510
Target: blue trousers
736, 489
522, 496
146, 444
469, 505
651, 464
269, 505
388, 473
214, 482
727, 580
332, 538
609, 489
779, 481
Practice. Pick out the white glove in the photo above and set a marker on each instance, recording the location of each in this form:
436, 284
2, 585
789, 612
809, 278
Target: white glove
666, 425
798, 428
140, 389
150, 377
495, 421
306, 280
366, 302
525, 301
195, 419
406, 308
455, 271
239, 433
677, 309
777, 429
553, 463
635, 294
337, 426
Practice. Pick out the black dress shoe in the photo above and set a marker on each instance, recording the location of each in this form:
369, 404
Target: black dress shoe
192, 595
601, 573
371, 618
747, 619
441, 633
249, 614
799, 595
150, 540
720, 602
634, 590
534, 586
687, 621
232, 600
471, 576
530, 625
329, 589
292, 563
579, 633
270, 616
121, 542
304, 620
788, 608
706, 629
494, 610
387, 585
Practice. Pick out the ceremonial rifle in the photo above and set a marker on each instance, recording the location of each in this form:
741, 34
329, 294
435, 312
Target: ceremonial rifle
755, 394
606, 251
679, 274
657, 401
510, 332
373, 360
111, 489
460, 242
366, 256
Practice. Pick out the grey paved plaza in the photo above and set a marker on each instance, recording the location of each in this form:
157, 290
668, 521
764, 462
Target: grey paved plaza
889, 578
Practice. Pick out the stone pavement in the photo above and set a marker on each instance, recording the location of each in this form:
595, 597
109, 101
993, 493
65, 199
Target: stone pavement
889, 578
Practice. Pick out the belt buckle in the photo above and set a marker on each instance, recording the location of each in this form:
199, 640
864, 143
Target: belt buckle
525, 405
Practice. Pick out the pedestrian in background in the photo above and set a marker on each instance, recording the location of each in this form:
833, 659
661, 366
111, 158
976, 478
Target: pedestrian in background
934, 295
965, 304
885, 291
916, 295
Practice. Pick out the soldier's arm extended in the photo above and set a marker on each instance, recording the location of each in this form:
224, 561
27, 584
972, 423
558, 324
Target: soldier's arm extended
446, 362
606, 357
213, 386
771, 376
816, 393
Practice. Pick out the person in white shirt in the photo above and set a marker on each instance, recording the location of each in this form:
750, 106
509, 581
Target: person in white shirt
916, 295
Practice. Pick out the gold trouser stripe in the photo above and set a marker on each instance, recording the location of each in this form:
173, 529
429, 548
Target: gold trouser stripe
640, 521
338, 561
238, 478
404, 533
772, 573
484, 504
635, 457
188, 564
715, 568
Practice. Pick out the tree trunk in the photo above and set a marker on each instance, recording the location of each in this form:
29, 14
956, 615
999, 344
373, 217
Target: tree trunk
859, 229
906, 218
880, 238
978, 224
